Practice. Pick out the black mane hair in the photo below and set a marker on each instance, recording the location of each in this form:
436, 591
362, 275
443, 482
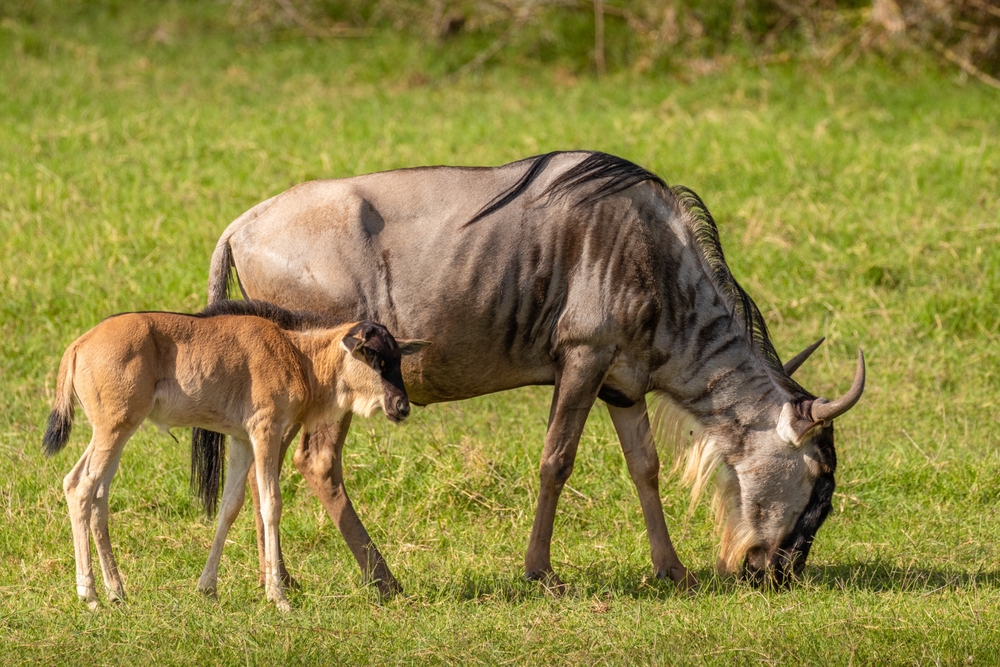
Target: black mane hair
289, 320
617, 173
743, 307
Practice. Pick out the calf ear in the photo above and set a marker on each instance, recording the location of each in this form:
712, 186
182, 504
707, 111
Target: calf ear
411, 346
794, 423
352, 344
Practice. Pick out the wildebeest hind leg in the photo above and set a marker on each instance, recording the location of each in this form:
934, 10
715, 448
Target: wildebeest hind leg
632, 426
286, 579
577, 383
319, 459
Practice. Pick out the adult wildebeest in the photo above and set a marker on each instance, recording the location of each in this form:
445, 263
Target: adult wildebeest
576, 269
230, 369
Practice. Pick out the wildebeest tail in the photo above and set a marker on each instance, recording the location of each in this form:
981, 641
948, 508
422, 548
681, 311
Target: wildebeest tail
208, 451
220, 274
61, 418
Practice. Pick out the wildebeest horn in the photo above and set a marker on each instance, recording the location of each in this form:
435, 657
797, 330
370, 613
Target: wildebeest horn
828, 411
793, 364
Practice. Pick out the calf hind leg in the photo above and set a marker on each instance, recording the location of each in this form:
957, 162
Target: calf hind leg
81, 487
632, 426
102, 537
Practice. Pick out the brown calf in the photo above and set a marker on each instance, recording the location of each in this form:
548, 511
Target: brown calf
227, 370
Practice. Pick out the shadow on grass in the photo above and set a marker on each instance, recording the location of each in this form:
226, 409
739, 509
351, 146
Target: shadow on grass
878, 576
639, 584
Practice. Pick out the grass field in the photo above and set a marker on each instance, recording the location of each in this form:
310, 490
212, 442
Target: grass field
860, 202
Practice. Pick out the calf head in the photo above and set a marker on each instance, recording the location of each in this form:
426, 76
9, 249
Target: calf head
373, 370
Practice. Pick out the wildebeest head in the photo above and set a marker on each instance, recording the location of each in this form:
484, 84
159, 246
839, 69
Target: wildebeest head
378, 381
779, 488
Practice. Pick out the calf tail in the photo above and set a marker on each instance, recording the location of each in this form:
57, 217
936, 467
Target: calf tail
61, 418
208, 453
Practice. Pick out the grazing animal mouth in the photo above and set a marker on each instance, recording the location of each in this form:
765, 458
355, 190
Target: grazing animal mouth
779, 570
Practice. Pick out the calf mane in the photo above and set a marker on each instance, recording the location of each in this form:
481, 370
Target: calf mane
289, 320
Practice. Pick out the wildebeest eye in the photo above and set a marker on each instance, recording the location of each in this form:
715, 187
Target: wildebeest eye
381, 364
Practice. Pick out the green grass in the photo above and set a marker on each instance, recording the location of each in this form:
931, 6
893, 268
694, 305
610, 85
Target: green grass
857, 202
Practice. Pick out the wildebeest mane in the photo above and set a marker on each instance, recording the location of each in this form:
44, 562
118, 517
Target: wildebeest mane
289, 320
616, 173
743, 307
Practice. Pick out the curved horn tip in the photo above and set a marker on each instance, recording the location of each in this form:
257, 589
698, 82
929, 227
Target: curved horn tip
833, 409
793, 364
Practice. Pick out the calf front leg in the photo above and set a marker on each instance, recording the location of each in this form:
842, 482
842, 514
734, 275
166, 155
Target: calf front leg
320, 460
632, 426
266, 450
577, 382
286, 579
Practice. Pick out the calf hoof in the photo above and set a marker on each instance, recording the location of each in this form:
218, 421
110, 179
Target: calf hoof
117, 597
283, 606
89, 595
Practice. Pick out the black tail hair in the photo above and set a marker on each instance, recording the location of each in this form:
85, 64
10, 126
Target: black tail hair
208, 450
58, 430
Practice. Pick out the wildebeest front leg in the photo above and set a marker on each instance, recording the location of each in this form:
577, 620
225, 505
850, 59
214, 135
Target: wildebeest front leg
286, 579
632, 425
577, 383
319, 459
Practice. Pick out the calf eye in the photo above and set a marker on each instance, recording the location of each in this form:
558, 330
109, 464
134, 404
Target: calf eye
381, 364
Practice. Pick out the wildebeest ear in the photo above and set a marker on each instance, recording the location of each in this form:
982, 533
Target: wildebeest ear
352, 344
411, 345
795, 423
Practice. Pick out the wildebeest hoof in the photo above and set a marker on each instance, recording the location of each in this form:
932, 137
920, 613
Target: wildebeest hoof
550, 580
686, 581
208, 591
387, 589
